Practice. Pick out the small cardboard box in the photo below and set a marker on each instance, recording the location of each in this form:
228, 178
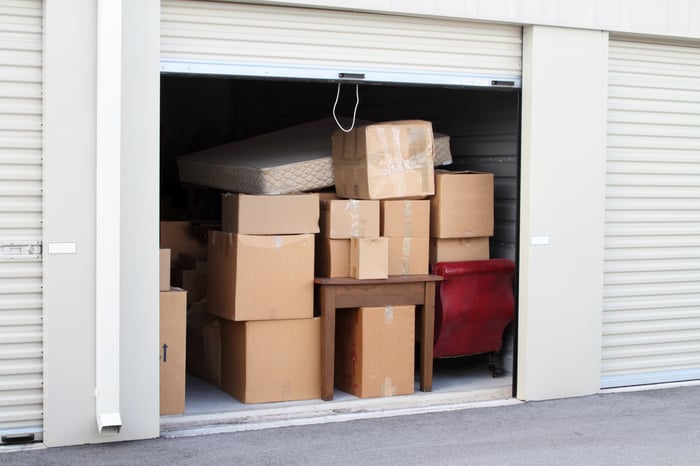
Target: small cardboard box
405, 218
190, 274
408, 256
384, 160
462, 206
369, 257
164, 269
173, 319
374, 351
254, 277
332, 257
348, 218
459, 249
181, 238
283, 214
203, 344
272, 360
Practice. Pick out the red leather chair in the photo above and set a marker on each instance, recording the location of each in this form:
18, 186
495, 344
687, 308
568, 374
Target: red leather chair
473, 306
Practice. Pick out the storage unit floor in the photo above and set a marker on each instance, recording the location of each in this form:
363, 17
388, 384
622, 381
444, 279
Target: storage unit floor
457, 383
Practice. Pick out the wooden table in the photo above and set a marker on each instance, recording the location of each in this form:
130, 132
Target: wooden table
343, 293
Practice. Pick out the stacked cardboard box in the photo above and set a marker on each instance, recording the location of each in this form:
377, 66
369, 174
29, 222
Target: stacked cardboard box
188, 261
406, 224
461, 216
172, 310
260, 284
349, 244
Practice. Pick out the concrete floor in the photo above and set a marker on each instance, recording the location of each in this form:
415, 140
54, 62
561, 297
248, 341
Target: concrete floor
455, 382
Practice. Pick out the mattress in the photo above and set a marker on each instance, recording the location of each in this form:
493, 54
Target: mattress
289, 160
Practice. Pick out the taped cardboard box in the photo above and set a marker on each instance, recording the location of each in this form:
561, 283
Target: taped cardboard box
283, 214
164, 274
374, 351
408, 256
462, 206
203, 344
384, 160
255, 277
332, 257
349, 218
273, 360
369, 258
173, 319
405, 218
459, 249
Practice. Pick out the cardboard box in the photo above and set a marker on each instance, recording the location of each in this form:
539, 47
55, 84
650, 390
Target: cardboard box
255, 277
384, 160
369, 258
173, 319
190, 274
164, 269
272, 360
459, 249
332, 257
462, 206
203, 344
374, 351
348, 218
405, 218
284, 214
181, 238
408, 256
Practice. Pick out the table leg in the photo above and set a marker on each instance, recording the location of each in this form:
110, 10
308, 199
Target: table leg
327, 304
427, 336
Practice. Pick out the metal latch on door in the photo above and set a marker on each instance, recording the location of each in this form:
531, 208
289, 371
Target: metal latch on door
20, 250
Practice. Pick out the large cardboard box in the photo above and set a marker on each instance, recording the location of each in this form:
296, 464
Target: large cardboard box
462, 206
384, 160
272, 360
254, 277
348, 218
173, 319
332, 257
369, 257
284, 214
374, 351
164, 269
408, 256
459, 249
405, 218
180, 237
203, 344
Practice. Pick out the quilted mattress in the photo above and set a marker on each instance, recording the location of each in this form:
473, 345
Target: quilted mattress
285, 161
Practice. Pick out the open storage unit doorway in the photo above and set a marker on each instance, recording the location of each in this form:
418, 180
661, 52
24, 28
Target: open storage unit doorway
231, 71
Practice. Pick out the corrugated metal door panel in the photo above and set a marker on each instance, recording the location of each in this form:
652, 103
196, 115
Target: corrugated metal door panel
21, 330
197, 36
651, 309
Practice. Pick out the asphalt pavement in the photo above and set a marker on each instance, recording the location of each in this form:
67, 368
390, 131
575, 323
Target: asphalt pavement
645, 427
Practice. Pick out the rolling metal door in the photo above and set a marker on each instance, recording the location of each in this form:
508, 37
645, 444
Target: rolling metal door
651, 314
287, 42
21, 394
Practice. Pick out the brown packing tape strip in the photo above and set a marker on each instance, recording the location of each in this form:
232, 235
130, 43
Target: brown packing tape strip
357, 224
387, 388
406, 256
388, 314
407, 218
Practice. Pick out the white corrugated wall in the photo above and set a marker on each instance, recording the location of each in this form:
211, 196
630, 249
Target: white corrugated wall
21, 394
254, 40
651, 314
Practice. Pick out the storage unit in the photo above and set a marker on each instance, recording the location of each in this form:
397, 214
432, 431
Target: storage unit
651, 309
21, 271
